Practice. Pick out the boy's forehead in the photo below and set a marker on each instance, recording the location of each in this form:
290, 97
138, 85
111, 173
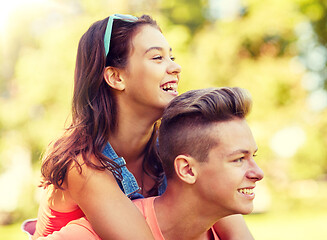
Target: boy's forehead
232, 136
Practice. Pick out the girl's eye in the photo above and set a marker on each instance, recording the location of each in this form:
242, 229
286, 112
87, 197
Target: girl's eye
157, 58
172, 58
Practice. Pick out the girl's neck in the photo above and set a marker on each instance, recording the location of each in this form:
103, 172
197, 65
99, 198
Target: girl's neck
129, 140
133, 130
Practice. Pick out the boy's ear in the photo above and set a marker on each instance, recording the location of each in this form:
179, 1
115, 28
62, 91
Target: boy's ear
185, 168
114, 78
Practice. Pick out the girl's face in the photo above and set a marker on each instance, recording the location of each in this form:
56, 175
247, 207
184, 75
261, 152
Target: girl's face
151, 76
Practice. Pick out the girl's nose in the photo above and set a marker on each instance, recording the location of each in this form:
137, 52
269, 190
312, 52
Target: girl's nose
174, 68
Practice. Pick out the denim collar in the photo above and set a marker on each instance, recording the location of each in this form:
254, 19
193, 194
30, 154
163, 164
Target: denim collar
128, 184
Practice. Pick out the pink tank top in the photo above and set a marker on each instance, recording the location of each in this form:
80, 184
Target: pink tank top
146, 206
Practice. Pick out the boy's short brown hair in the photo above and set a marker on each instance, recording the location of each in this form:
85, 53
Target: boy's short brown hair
185, 125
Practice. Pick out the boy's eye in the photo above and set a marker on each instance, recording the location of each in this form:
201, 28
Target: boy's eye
172, 58
239, 160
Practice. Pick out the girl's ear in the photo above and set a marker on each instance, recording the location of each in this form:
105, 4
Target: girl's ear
114, 78
185, 168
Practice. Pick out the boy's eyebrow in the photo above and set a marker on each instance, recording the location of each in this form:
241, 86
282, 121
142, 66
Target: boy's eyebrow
238, 151
156, 48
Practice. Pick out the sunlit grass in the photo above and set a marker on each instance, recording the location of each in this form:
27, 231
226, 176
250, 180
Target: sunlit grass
12, 232
293, 225
293, 217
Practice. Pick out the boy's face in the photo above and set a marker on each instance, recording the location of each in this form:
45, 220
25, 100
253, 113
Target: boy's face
227, 179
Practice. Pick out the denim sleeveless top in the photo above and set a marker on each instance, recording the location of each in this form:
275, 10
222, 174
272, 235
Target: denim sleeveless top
128, 184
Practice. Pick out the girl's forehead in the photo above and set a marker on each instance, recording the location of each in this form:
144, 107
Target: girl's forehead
149, 36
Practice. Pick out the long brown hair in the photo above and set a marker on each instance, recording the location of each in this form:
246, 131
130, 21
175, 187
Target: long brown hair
94, 106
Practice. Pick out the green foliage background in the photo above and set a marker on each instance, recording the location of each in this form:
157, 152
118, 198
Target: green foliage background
274, 48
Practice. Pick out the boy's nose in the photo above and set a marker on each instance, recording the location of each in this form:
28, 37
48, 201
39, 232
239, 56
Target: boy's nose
255, 172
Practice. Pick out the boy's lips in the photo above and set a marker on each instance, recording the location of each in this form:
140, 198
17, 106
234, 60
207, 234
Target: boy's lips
247, 191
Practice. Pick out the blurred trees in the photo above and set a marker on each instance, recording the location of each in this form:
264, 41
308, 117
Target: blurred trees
274, 48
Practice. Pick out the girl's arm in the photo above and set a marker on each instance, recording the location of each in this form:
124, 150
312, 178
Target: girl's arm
111, 214
233, 228
79, 229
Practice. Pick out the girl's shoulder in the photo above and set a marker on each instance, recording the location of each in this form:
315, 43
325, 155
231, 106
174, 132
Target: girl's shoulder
81, 177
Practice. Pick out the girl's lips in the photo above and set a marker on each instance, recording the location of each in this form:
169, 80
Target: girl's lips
170, 87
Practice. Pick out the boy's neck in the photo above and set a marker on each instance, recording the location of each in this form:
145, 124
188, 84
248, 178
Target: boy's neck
179, 217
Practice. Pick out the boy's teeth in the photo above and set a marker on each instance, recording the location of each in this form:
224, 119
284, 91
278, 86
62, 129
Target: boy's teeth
247, 191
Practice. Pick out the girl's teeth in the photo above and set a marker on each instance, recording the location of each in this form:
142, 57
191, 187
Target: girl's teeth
167, 86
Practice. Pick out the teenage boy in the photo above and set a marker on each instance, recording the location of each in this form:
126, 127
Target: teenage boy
207, 150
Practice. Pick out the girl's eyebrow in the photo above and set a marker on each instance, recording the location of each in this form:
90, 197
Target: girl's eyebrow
156, 48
